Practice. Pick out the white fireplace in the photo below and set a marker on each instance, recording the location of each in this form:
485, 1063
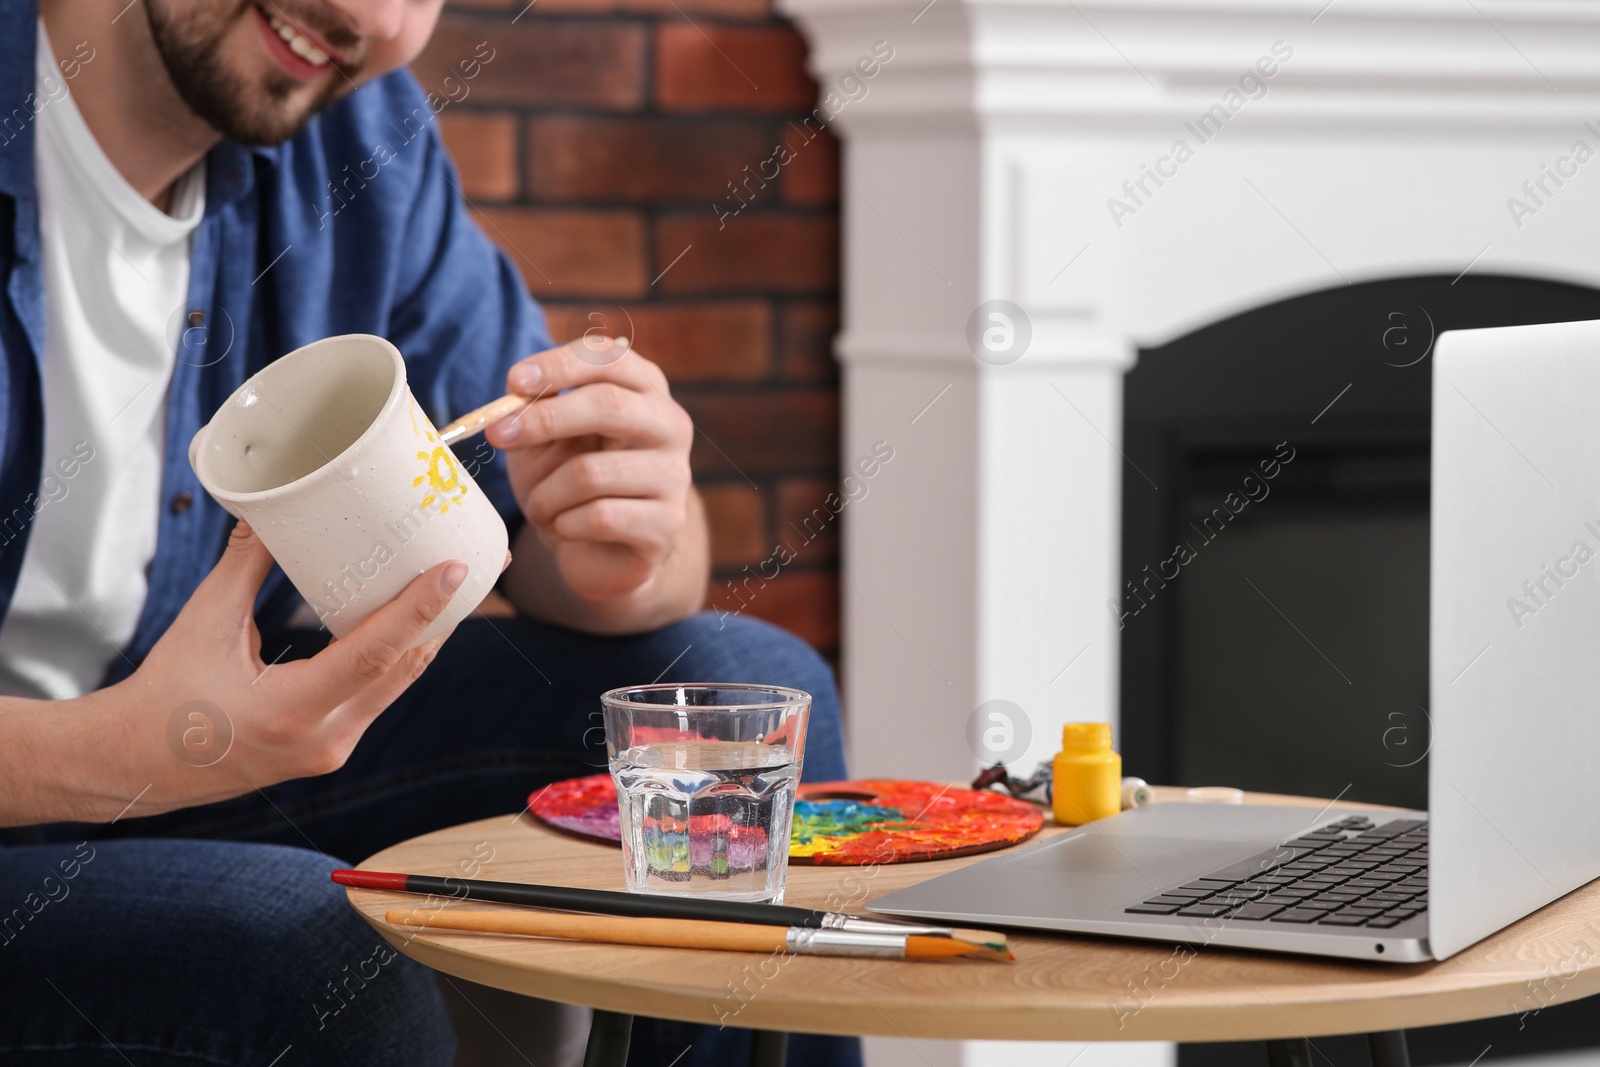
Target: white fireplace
1126, 171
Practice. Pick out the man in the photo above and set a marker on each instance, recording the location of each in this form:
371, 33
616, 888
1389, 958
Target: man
187, 191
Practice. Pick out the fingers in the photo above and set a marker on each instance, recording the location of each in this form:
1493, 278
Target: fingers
529, 466
648, 527
325, 740
603, 409
243, 567
582, 362
383, 641
357, 713
589, 476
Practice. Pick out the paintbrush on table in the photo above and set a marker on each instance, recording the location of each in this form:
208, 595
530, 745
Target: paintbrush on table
479, 419
988, 943
687, 933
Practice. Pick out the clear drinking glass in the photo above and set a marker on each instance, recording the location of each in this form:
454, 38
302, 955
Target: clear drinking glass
706, 776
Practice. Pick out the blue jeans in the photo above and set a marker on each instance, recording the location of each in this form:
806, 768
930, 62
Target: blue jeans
213, 935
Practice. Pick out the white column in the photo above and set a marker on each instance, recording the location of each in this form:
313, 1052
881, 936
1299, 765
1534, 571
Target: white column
978, 566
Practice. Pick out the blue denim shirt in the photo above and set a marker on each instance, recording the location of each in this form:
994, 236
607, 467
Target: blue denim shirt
355, 226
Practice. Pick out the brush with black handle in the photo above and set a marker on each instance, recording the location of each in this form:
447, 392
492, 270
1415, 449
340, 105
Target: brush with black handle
646, 905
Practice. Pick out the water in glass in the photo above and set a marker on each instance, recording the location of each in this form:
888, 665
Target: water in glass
707, 817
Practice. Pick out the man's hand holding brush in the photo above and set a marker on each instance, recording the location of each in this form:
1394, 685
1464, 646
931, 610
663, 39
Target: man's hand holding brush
616, 540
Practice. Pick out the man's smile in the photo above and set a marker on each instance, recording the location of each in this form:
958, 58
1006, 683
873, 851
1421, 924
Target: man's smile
299, 52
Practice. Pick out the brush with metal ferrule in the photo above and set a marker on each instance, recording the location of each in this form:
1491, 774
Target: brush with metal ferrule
987, 943
686, 933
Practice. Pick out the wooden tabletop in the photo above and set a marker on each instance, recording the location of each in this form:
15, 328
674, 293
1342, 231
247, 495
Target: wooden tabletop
1061, 987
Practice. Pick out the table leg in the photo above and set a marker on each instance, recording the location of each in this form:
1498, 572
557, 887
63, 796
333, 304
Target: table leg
1289, 1052
768, 1048
1389, 1049
608, 1039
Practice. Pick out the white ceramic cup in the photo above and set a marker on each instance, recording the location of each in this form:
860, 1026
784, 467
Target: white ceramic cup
327, 456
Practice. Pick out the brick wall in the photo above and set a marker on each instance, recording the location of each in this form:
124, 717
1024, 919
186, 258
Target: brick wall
593, 146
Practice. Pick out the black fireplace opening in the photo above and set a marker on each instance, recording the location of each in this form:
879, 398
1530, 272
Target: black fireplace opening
1274, 597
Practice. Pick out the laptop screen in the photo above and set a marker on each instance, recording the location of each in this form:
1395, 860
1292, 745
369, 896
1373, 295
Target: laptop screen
1514, 621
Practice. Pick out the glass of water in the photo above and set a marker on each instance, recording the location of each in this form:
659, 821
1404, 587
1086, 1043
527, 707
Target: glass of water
706, 776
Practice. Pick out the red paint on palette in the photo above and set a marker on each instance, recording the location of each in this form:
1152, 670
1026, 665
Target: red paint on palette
585, 807
854, 823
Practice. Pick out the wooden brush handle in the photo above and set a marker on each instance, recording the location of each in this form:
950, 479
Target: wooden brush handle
672, 933
481, 418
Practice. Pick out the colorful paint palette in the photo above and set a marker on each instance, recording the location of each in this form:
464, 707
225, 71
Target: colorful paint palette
854, 823
585, 807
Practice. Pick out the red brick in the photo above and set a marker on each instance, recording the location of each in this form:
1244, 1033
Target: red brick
812, 175
572, 253
484, 147
723, 341
753, 9
805, 341
576, 64
737, 516
645, 159
806, 521
629, 127
805, 603
755, 433
752, 251
705, 67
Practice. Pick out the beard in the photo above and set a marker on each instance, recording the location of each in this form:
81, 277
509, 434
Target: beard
264, 113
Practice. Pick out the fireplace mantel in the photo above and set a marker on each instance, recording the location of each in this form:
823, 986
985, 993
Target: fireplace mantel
983, 162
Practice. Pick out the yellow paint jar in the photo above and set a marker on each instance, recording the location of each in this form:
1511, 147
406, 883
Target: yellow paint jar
1087, 775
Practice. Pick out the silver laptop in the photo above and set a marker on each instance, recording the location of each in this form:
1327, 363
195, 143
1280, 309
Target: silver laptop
1514, 677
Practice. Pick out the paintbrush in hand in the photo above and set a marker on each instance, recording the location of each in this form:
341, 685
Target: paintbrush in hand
479, 419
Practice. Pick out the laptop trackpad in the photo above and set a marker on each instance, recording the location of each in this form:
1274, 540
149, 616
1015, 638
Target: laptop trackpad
1160, 860
1089, 875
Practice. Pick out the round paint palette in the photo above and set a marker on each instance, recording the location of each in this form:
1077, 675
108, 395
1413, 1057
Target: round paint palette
854, 823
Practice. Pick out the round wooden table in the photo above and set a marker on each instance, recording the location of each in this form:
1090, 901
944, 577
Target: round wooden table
1061, 987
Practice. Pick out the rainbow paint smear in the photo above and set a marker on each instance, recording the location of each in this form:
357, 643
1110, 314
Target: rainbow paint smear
853, 823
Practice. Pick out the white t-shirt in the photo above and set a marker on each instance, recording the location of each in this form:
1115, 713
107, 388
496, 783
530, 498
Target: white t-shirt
116, 276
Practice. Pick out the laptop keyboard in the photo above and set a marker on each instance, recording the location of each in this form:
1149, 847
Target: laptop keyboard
1348, 873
